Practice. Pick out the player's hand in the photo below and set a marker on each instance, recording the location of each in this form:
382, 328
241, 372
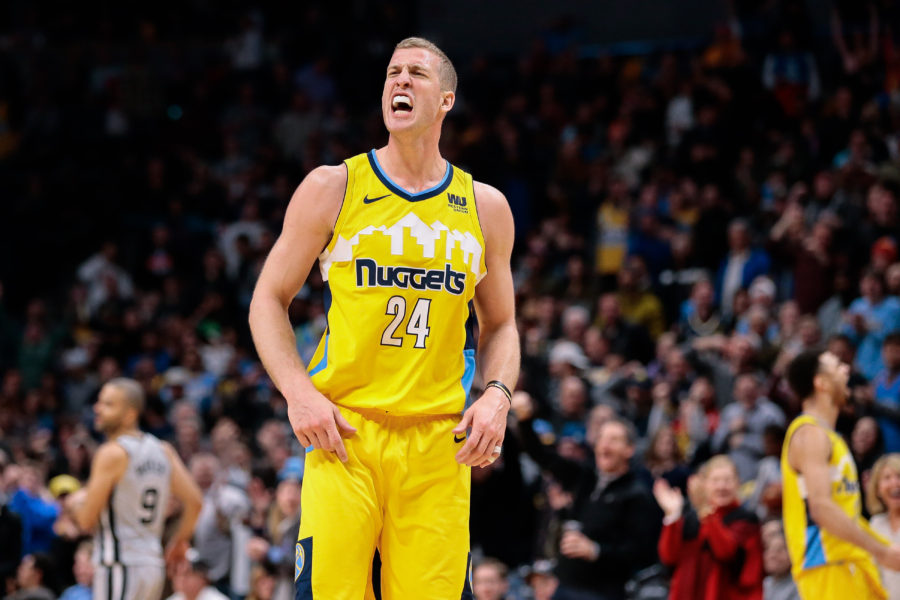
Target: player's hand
890, 557
575, 544
487, 420
175, 551
317, 422
668, 498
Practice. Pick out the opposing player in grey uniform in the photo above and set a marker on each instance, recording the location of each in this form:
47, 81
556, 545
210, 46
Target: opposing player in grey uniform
124, 502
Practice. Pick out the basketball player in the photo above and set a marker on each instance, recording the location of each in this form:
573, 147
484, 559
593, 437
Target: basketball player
132, 477
830, 543
406, 242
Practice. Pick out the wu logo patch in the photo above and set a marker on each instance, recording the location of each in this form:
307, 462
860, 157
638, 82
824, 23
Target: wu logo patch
299, 561
457, 203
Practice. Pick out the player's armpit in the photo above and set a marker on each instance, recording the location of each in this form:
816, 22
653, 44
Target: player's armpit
107, 468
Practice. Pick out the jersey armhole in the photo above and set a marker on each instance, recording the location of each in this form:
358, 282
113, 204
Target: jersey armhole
476, 218
342, 211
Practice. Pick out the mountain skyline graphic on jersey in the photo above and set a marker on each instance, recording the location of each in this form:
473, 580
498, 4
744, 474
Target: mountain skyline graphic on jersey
426, 237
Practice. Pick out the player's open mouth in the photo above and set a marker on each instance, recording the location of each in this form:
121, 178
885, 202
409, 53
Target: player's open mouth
401, 103
894, 493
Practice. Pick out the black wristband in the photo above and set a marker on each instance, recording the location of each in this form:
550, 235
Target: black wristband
500, 386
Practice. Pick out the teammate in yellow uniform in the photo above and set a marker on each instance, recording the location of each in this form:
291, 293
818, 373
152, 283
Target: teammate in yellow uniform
830, 543
410, 248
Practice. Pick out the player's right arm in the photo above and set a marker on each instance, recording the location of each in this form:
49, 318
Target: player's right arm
185, 489
808, 454
107, 468
308, 227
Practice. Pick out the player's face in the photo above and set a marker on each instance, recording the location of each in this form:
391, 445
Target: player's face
412, 98
109, 410
836, 375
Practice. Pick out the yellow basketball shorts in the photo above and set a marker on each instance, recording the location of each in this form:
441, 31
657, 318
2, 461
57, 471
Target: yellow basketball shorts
401, 491
840, 581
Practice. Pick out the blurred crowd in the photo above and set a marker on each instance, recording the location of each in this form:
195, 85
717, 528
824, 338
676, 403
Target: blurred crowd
688, 219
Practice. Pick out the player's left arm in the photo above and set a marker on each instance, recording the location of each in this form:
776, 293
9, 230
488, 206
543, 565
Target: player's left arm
498, 343
107, 468
185, 489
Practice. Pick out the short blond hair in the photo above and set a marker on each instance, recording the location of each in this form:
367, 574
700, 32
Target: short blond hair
873, 502
719, 460
446, 70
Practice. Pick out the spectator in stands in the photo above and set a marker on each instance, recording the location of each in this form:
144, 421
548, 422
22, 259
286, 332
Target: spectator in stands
612, 516
192, 580
664, 458
743, 263
866, 445
541, 580
37, 512
84, 574
628, 340
489, 580
868, 320
743, 423
699, 317
35, 578
883, 502
639, 305
262, 582
219, 528
714, 545
886, 392
778, 584
276, 545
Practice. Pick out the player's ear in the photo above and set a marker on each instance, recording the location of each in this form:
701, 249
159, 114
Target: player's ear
819, 382
448, 99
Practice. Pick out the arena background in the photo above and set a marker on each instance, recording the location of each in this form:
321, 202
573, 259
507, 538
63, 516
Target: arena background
699, 189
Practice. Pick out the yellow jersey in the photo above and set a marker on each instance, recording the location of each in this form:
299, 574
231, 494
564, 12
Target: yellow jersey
809, 545
400, 274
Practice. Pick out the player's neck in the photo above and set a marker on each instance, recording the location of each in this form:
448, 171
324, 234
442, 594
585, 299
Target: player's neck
413, 162
823, 410
123, 431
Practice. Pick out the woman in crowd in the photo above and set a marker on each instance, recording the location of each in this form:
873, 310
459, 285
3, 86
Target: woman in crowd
665, 459
714, 544
883, 502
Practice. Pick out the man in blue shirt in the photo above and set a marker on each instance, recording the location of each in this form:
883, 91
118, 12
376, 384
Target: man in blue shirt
869, 319
886, 392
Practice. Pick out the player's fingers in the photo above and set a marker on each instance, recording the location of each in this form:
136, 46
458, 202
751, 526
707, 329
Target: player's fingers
465, 453
320, 440
304, 439
465, 423
343, 423
337, 443
485, 448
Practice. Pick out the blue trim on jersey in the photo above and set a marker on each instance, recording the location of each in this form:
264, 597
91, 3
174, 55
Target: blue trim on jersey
815, 553
468, 373
303, 569
399, 191
322, 363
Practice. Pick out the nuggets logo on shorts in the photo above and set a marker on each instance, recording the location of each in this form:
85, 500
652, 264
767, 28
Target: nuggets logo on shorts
299, 561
